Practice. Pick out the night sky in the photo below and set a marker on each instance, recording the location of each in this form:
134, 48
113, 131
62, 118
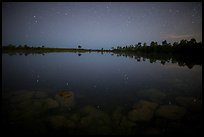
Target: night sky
99, 25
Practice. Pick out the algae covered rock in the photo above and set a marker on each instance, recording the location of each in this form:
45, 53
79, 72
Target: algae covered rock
51, 103
19, 96
171, 112
189, 103
117, 115
40, 95
57, 121
95, 121
65, 98
142, 111
153, 94
152, 131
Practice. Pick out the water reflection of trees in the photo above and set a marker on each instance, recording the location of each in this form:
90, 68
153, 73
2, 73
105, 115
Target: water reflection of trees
181, 60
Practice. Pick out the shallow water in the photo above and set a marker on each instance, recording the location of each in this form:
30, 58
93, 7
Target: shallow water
94, 93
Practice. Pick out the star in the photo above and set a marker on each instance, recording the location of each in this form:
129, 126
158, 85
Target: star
34, 16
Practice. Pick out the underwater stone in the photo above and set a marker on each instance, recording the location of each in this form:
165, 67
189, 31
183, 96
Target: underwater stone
95, 121
66, 99
50, 103
153, 94
171, 112
189, 103
125, 123
143, 111
152, 131
40, 94
19, 96
57, 121
117, 115
65, 94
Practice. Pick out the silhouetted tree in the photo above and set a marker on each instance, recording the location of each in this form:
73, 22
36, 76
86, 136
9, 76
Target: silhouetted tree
25, 46
79, 47
164, 43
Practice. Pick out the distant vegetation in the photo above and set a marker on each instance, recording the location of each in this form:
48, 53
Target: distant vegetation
183, 47
184, 52
43, 49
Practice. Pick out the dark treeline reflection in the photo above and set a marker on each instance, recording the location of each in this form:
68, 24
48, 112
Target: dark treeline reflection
181, 60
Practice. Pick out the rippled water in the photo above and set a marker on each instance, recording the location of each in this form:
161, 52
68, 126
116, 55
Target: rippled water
94, 93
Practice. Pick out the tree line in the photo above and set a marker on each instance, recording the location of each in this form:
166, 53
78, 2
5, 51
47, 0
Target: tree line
182, 47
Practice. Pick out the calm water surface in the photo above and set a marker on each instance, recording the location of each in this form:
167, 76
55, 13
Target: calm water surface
94, 93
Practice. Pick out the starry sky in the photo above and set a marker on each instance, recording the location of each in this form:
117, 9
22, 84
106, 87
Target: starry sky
99, 24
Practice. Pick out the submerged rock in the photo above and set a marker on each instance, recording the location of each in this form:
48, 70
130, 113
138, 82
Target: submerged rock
153, 94
40, 95
117, 115
126, 124
190, 103
57, 121
152, 131
143, 111
51, 103
20, 96
171, 112
66, 99
65, 94
95, 121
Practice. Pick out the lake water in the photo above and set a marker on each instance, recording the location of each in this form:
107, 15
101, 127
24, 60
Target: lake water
99, 93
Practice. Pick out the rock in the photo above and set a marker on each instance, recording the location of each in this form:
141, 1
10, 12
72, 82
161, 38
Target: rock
152, 131
57, 121
40, 95
69, 124
51, 103
23, 105
171, 112
153, 94
117, 115
125, 123
65, 94
75, 117
143, 111
89, 110
66, 99
20, 96
189, 103
95, 121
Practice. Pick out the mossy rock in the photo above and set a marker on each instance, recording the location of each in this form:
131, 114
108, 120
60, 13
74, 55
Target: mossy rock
66, 99
40, 95
142, 111
189, 103
94, 121
20, 96
57, 121
152, 131
171, 112
117, 115
51, 103
65, 94
153, 94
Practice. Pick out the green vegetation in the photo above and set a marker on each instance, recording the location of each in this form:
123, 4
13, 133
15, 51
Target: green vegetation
26, 49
